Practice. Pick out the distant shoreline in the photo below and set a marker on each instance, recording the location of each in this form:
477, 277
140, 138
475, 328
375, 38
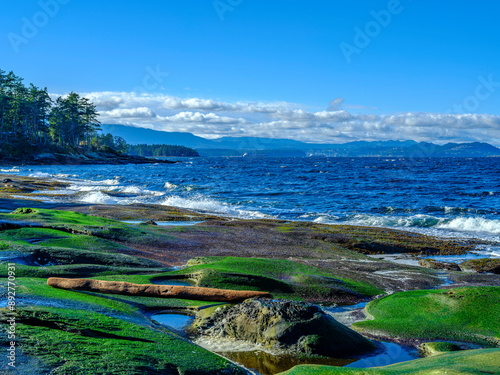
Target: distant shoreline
94, 158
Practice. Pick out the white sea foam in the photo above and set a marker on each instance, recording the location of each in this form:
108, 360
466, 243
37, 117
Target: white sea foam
97, 197
114, 181
170, 186
323, 220
472, 224
40, 174
14, 169
205, 204
64, 175
139, 191
468, 224
419, 220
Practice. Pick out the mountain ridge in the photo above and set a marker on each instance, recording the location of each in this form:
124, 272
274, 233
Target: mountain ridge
239, 146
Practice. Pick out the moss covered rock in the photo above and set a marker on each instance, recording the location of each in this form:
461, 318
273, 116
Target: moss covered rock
287, 325
463, 314
433, 348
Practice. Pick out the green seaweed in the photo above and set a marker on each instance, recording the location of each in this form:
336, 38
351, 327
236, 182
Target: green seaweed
93, 343
283, 278
468, 314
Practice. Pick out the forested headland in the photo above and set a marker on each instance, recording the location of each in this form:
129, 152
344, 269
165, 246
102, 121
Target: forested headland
35, 125
32, 122
161, 150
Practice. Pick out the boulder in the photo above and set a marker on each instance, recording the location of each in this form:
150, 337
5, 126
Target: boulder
490, 265
151, 290
435, 265
149, 222
297, 327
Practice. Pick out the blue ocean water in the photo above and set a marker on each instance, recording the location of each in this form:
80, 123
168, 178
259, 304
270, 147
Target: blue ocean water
444, 196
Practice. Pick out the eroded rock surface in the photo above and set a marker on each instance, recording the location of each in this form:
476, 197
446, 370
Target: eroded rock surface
482, 265
287, 325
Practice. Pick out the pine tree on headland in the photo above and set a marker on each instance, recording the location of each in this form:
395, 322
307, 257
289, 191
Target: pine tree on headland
31, 122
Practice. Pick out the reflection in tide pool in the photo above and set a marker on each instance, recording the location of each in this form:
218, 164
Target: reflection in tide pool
165, 223
177, 282
173, 320
269, 364
393, 353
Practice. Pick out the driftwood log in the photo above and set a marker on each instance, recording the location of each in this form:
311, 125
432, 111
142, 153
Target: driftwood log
151, 290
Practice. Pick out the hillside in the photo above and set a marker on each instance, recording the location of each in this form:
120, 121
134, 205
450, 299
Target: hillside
239, 146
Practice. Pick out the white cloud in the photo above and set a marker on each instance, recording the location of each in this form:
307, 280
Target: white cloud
129, 112
201, 118
213, 118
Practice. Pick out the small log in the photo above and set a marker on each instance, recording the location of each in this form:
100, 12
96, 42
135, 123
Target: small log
151, 290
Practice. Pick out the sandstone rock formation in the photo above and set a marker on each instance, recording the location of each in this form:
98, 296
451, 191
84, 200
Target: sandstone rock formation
297, 327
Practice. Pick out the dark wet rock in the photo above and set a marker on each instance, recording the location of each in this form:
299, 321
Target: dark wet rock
481, 265
435, 265
7, 224
297, 327
25, 211
79, 158
149, 222
44, 157
6, 180
461, 279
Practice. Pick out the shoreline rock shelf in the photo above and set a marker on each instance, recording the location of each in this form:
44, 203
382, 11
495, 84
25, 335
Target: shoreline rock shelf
151, 290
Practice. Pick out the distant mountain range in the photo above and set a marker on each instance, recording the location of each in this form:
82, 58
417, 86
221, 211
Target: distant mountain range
254, 146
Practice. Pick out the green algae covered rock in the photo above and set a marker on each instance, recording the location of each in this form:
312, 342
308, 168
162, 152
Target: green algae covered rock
468, 314
287, 325
428, 349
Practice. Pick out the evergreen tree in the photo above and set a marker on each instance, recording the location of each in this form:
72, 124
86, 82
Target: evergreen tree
31, 122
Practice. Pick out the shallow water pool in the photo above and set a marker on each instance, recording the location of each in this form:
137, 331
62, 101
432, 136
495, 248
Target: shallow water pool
175, 320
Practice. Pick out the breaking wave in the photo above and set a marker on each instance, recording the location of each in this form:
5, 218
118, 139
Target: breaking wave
204, 204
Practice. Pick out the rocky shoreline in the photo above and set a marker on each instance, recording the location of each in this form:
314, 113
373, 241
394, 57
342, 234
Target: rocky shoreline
87, 158
298, 263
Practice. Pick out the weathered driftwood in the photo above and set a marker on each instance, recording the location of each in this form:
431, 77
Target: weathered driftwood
151, 290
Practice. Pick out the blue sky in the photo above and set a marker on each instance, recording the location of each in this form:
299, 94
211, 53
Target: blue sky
418, 69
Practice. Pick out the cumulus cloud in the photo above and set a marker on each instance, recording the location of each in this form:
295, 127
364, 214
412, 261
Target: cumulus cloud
201, 118
213, 118
129, 112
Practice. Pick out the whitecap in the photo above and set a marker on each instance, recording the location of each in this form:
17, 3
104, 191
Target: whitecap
472, 224
170, 186
40, 174
97, 197
13, 169
205, 204
322, 220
